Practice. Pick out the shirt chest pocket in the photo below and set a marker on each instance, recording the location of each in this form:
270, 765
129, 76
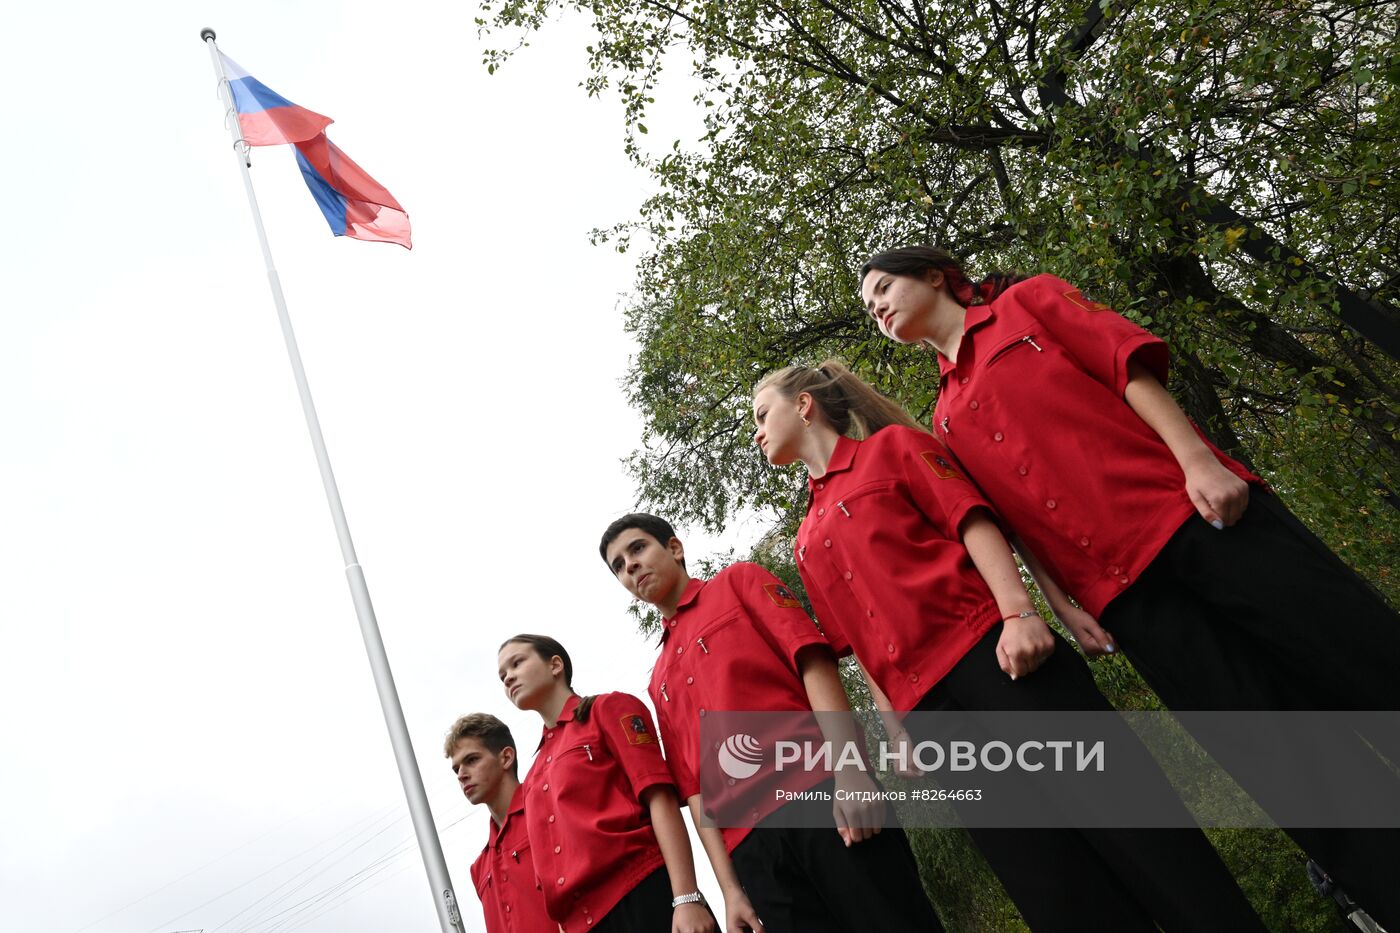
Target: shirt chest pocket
699, 656
569, 758
578, 777
1023, 347
518, 858
843, 521
513, 867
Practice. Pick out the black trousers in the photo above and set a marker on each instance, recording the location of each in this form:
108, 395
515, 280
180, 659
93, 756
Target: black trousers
1110, 880
644, 909
1264, 616
805, 880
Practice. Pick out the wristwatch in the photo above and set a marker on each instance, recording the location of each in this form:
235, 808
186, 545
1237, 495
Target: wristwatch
694, 897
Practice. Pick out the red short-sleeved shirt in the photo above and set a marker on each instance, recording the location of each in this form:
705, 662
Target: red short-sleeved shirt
732, 646
592, 840
1034, 410
884, 564
504, 875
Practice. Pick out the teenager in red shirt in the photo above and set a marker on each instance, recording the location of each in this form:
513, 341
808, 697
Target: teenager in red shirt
609, 846
741, 642
1221, 598
907, 569
482, 752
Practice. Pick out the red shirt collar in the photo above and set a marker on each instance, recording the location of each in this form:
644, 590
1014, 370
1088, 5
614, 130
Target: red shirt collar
517, 801
692, 590
516, 807
841, 457
565, 715
977, 315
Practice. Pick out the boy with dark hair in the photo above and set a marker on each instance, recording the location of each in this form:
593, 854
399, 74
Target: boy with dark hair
742, 642
483, 757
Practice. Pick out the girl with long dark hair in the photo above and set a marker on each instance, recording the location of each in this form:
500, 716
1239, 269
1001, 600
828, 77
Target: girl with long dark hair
609, 847
1220, 597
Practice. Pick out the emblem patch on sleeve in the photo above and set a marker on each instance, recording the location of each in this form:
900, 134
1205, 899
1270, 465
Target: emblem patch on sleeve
940, 465
1074, 298
635, 728
781, 596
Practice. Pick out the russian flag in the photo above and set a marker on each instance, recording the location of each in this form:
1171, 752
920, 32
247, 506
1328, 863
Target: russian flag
354, 204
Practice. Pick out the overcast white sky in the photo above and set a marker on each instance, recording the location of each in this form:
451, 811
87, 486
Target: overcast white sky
188, 719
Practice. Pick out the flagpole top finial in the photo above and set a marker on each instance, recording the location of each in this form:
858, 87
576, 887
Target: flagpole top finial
206, 34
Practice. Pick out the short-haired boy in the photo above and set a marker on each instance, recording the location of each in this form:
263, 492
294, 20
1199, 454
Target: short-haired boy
742, 642
483, 757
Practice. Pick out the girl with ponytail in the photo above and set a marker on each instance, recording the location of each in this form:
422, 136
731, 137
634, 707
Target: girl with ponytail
907, 568
609, 849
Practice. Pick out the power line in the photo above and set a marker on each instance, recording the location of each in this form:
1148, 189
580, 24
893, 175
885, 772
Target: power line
340, 889
189, 873
180, 916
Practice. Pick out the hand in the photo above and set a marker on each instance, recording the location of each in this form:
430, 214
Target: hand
1024, 645
739, 915
692, 918
1086, 631
1218, 495
858, 810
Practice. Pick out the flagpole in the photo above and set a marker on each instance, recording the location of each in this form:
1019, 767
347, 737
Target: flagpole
423, 826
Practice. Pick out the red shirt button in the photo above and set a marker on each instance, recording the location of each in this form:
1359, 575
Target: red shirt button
1123, 580
912, 619
1050, 503
507, 908
998, 437
913, 678
548, 757
962, 381
679, 649
550, 735
546, 787
1114, 569
551, 817
556, 850
826, 543
848, 575
821, 485
702, 712
821, 511
560, 882
1023, 470
690, 680
1083, 542
973, 404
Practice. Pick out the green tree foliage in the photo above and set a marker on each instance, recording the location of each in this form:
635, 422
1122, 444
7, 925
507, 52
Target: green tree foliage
1224, 172
1208, 167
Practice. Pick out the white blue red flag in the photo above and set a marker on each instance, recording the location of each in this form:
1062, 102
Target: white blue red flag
354, 204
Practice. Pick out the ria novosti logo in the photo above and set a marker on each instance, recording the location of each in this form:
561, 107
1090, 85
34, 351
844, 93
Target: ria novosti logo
740, 756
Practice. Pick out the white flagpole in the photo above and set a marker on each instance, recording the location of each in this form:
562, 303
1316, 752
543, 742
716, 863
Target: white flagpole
428, 843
